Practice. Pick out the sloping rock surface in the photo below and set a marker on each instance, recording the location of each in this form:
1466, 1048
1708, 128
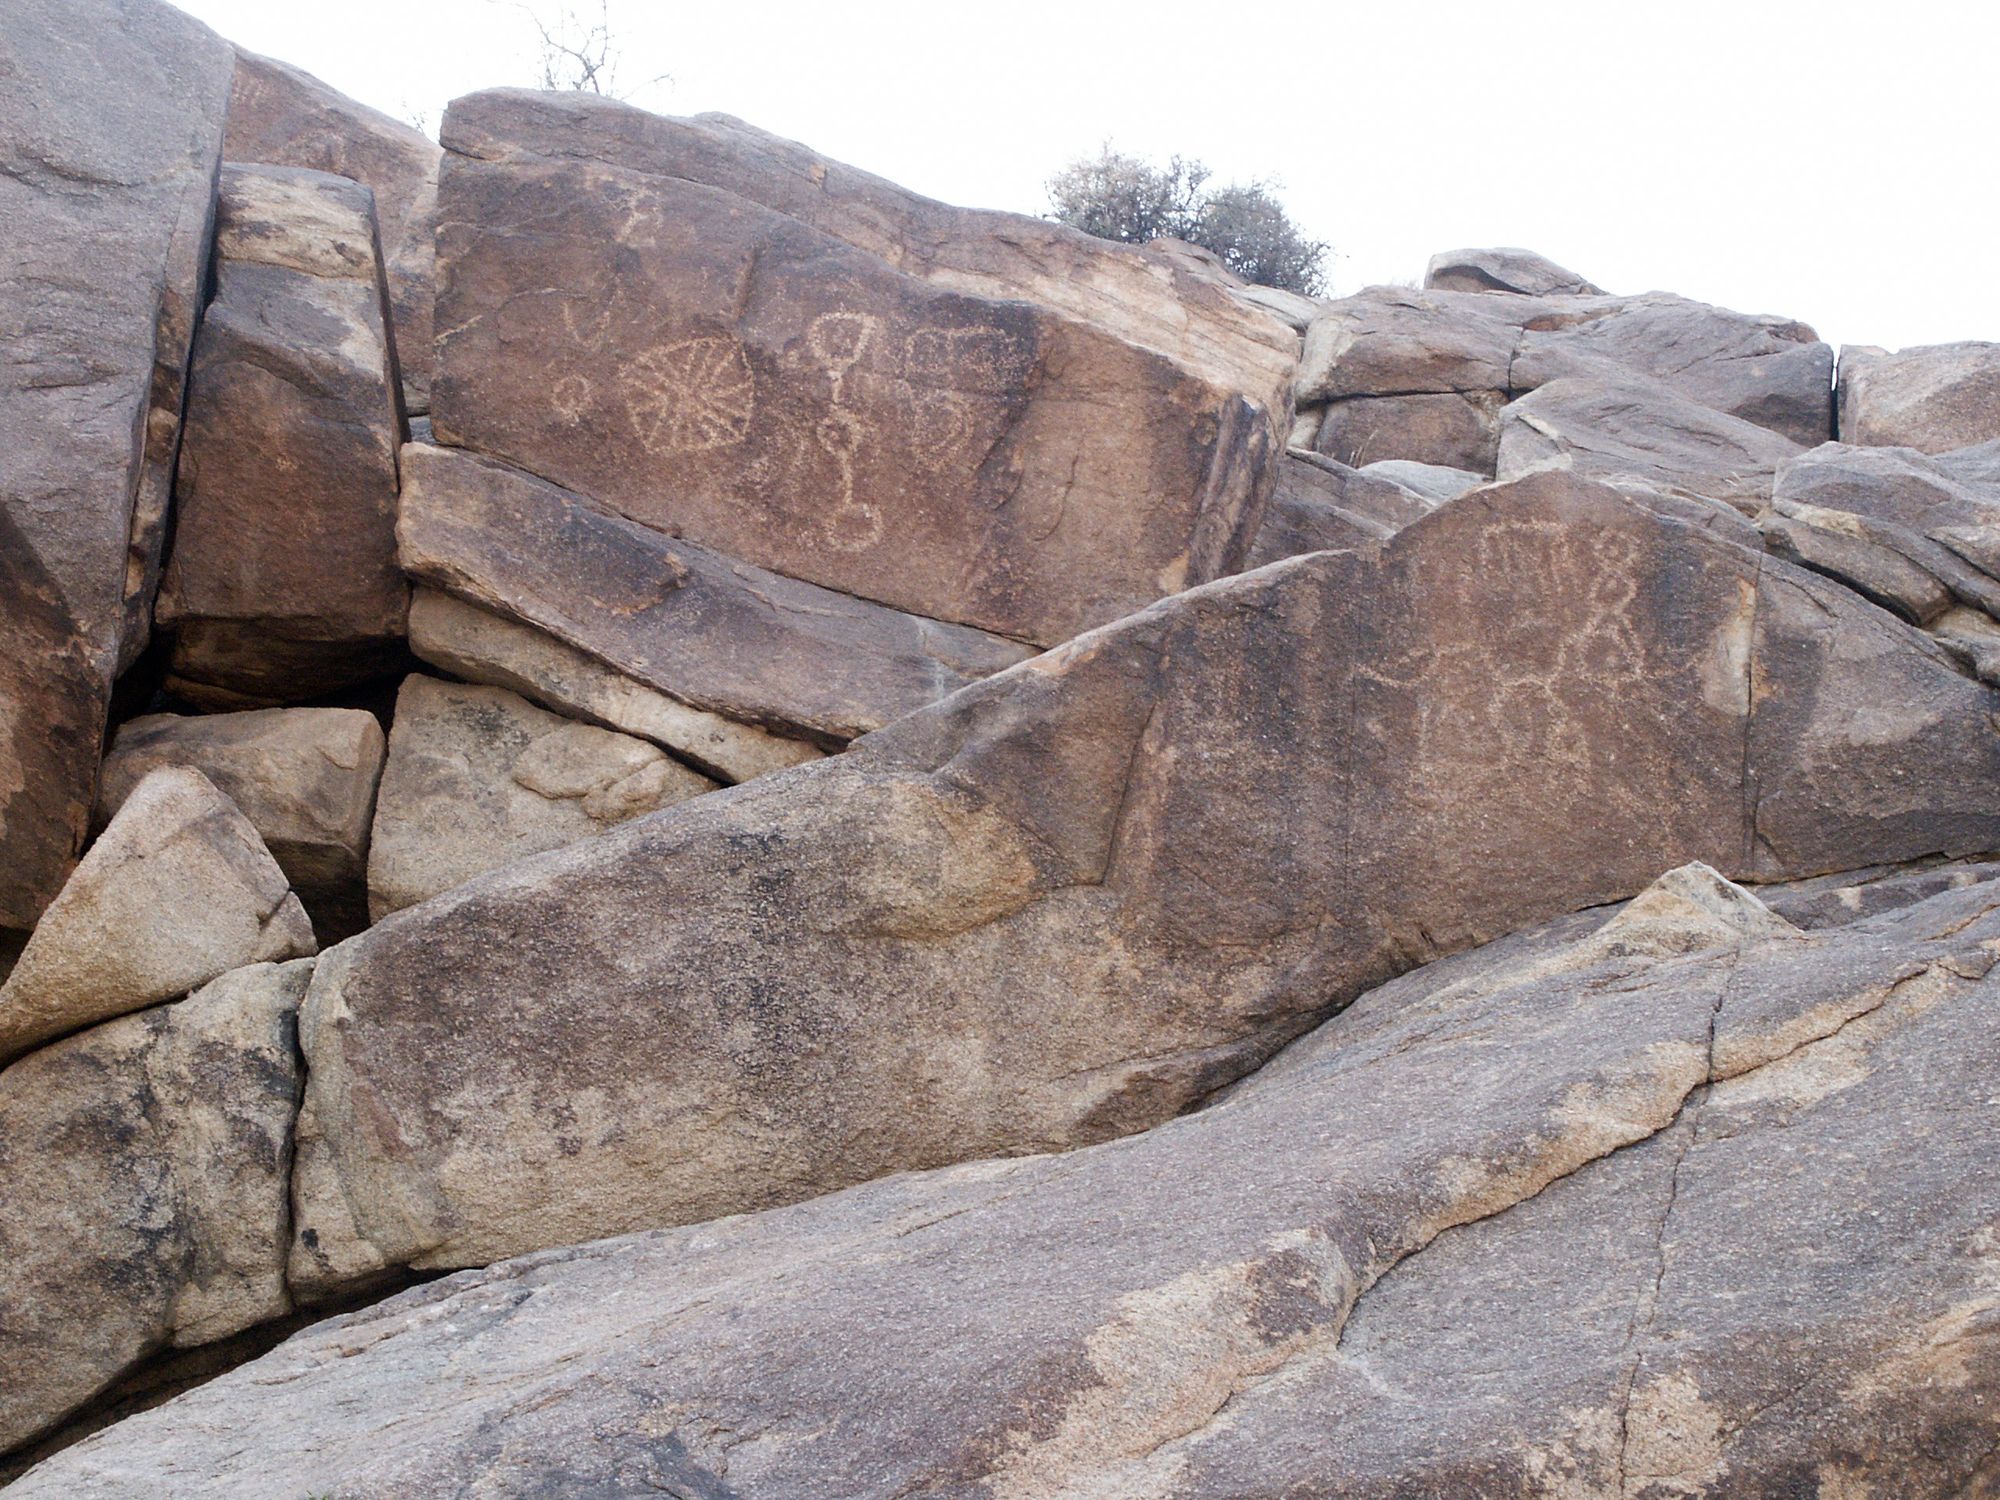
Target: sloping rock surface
1934, 398
1694, 1205
1503, 269
108, 156
1078, 897
144, 1168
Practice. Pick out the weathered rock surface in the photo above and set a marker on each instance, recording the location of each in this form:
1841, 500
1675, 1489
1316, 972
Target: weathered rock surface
108, 155
1422, 374
481, 646
741, 377
1172, 298
1934, 398
304, 779
1199, 828
144, 1169
282, 583
284, 116
1643, 435
1504, 269
176, 891
1693, 1205
705, 629
478, 777
1320, 504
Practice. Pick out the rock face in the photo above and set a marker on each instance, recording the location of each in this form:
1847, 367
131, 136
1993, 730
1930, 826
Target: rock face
705, 629
478, 778
108, 155
738, 376
1669, 1170
304, 779
1173, 825
283, 581
1505, 269
143, 1173
1933, 399
283, 115
178, 890
1320, 504
481, 646
1423, 375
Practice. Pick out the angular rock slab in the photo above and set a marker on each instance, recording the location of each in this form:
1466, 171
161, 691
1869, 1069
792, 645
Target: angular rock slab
481, 646
1169, 297
144, 1171
282, 584
1320, 504
1642, 435
1934, 398
304, 778
284, 116
717, 369
110, 134
705, 629
1662, 1179
1504, 269
478, 777
178, 890
1074, 899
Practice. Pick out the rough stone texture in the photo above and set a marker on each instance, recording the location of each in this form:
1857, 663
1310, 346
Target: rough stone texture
703, 628
1679, 1205
478, 778
283, 115
304, 778
1503, 269
1172, 298
282, 584
108, 155
1934, 398
1074, 899
481, 646
178, 890
738, 376
144, 1171
1849, 895
1642, 435
1412, 349
1452, 429
1320, 504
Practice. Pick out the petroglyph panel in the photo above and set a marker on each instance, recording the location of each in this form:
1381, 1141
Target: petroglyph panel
734, 377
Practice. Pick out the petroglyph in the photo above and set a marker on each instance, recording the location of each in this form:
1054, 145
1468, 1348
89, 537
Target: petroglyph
693, 396
839, 339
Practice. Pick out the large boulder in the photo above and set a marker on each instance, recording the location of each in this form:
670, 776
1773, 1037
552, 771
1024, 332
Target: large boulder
304, 778
178, 890
1074, 899
110, 135
1504, 269
282, 583
1682, 1203
1934, 398
727, 371
1423, 374
284, 116
1643, 435
144, 1171
704, 629
478, 777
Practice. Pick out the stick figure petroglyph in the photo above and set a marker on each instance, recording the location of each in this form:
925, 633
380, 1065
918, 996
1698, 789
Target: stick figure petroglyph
839, 339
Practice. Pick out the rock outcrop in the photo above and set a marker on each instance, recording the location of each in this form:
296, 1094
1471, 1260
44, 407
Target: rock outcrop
1934, 399
1550, 693
1673, 1183
144, 1166
178, 890
282, 583
1504, 269
478, 778
108, 156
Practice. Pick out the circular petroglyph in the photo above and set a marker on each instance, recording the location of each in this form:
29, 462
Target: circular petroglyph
691, 396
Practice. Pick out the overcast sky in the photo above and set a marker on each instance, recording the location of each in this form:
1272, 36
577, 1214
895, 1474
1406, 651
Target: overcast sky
1831, 161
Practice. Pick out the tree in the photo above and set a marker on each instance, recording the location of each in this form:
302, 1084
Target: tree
1118, 197
578, 52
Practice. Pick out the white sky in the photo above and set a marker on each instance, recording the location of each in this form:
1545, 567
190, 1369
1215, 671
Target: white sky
1831, 160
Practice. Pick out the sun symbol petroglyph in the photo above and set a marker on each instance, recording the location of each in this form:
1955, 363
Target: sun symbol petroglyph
692, 396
